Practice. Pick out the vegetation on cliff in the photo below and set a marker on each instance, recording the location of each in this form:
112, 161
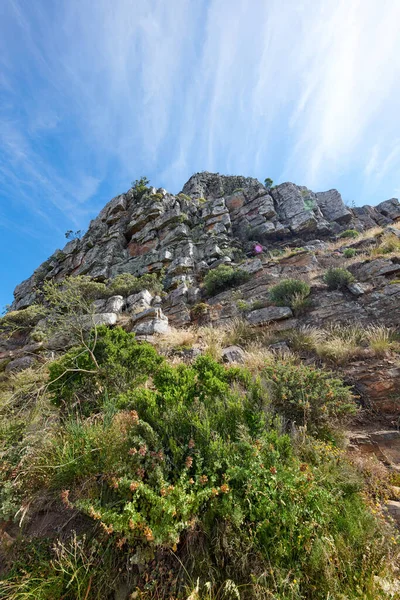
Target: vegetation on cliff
170, 480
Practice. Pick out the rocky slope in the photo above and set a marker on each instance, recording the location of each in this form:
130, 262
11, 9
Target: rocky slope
218, 220
212, 220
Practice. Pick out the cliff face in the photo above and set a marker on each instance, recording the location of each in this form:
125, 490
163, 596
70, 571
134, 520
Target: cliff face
218, 220
213, 220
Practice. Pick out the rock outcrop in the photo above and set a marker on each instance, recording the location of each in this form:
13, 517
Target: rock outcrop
212, 220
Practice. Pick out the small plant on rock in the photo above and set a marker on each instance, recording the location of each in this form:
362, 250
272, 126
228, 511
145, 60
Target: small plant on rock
290, 292
338, 278
224, 277
349, 233
349, 252
140, 187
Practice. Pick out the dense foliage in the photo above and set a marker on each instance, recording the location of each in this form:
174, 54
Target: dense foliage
224, 277
195, 466
349, 233
289, 292
338, 278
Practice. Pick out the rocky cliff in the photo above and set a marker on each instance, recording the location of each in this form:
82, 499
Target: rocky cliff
214, 219
219, 220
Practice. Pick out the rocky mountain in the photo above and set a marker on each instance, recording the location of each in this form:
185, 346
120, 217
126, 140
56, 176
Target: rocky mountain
212, 220
139, 453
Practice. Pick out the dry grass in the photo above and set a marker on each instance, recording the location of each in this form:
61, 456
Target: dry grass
366, 235
380, 339
177, 338
340, 343
256, 356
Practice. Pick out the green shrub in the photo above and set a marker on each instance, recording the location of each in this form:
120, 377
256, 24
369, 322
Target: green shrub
288, 291
73, 292
199, 310
111, 361
308, 396
140, 187
224, 277
22, 319
189, 475
349, 252
349, 233
338, 278
127, 284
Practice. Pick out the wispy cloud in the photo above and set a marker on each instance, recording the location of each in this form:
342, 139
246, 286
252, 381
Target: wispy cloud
93, 95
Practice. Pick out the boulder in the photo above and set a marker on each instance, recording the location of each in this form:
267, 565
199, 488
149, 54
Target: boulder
333, 207
269, 314
114, 304
233, 354
136, 303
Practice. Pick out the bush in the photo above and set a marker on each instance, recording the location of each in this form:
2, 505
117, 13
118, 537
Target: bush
349, 233
127, 284
140, 187
289, 291
338, 278
190, 476
349, 252
22, 319
82, 378
309, 397
224, 277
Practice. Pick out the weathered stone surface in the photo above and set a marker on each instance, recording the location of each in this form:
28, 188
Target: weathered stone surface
268, 314
20, 364
393, 509
214, 217
292, 210
101, 319
332, 206
136, 303
114, 304
390, 208
233, 354
377, 381
150, 322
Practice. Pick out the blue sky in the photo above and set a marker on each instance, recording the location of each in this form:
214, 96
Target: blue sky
94, 94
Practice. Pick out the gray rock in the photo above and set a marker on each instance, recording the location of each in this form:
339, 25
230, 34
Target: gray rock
333, 207
390, 209
269, 314
233, 354
115, 304
357, 289
136, 303
102, 319
20, 364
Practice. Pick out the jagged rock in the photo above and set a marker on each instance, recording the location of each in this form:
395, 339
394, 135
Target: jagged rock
390, 209
358, 289
214, 216
333, 207
108, 318
150, 321
233, 354
268, 314
114, 304
136, 303
292, 210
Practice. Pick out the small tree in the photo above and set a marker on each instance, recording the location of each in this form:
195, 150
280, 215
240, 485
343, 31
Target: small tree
140, 187
268, 183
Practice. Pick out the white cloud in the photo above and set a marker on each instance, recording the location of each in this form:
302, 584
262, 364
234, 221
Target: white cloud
124, 88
